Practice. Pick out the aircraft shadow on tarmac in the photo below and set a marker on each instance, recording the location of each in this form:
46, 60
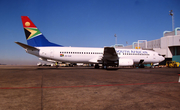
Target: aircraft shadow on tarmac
63, 68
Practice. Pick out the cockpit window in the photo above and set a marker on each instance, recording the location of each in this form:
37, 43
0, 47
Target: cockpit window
159, 54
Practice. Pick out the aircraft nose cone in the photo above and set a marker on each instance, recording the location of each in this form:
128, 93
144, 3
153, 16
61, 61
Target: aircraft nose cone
163, 58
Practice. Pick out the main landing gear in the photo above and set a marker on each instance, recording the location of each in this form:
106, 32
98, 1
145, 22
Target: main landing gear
96, 66
141, 65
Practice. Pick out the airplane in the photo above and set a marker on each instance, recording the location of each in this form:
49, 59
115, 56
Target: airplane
39, 46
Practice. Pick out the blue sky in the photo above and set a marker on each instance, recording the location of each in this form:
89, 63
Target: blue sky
83, 23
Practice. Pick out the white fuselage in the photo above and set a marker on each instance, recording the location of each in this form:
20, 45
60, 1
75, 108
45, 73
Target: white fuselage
94, 55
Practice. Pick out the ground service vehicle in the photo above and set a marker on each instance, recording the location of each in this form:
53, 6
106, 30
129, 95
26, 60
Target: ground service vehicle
172, 64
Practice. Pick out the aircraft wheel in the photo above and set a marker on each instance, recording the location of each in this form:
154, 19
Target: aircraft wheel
141, 66
97, 66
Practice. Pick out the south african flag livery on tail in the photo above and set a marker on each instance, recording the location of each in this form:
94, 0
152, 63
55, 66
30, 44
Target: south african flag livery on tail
33, 36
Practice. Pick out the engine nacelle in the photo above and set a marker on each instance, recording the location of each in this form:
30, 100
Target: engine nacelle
126, 62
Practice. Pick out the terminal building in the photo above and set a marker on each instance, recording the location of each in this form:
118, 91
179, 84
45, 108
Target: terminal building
168, 45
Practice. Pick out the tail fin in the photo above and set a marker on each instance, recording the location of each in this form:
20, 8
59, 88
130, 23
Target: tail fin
33, 36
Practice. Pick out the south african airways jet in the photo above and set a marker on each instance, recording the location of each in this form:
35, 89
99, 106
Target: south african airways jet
39, 46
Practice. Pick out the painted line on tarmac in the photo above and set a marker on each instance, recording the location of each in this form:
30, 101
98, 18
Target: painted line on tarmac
87, 85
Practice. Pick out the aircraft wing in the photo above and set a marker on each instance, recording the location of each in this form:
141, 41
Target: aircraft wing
110, 54
26, 46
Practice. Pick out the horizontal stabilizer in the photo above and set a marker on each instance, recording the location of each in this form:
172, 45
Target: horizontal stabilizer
26, 46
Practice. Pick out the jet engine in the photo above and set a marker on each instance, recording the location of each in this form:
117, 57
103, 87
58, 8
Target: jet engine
126, 62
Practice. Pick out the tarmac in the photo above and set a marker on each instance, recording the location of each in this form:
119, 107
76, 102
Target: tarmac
86, 88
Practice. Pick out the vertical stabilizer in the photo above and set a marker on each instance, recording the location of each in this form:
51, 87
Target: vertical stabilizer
33, 36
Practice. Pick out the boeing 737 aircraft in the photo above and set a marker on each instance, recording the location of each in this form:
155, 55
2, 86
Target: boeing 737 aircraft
39, 46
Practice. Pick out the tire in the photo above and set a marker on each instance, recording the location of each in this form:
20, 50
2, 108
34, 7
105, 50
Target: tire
97, 66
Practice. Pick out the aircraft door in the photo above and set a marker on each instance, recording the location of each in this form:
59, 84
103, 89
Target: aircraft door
154, 56
52, 53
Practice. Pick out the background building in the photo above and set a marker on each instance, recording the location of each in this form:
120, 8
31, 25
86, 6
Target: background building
168, 45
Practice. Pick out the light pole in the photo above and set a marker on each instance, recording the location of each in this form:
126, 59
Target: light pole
115, 38
171, 13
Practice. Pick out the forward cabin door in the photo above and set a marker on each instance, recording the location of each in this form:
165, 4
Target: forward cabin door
154, 56
52, 53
